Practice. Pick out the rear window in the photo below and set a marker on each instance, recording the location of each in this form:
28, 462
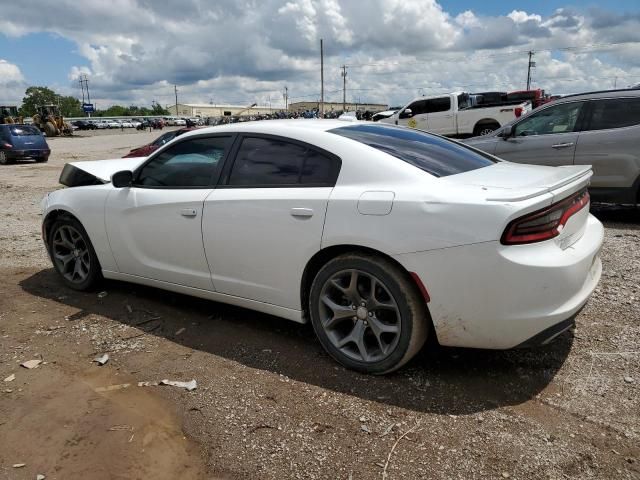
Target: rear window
435, 155
615, 113
24, 130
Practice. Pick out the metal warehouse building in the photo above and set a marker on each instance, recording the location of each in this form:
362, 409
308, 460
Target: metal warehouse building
214, 110
332, 106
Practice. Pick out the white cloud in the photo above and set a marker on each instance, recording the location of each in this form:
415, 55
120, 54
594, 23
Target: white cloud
12, 83
520, 16
242, 51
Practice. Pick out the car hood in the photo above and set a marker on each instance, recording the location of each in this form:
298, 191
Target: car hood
102, 170
512, 182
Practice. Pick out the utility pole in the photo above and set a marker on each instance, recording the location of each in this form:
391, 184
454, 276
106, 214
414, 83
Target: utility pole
321, 80
82, 88
531, 65
344, 87
285, 95
175, 89
615, 82
86, 84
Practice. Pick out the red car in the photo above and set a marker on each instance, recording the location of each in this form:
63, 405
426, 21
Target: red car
147, 149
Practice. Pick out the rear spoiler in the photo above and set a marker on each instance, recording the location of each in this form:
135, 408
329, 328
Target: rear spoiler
574, 173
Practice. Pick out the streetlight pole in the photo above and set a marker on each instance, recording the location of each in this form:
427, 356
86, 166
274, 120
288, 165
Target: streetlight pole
321, 80
344, 87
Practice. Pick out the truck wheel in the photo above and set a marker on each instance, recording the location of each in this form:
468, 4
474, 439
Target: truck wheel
50, 129
485, 129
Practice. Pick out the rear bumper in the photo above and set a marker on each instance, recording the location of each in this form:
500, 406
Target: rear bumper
489, 295
18, 154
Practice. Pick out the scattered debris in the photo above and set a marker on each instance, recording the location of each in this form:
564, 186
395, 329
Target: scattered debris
628, 380
119, 428
51, 328
102, 294
18, 465
181, 331
192, 385
148, 384
129, 309
10, 378
364, 428
260, 426
31, 364
102, 359
40, 477
110, 388
386, 464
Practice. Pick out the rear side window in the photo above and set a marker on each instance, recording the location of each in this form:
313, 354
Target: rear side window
24, 130
435, 105
615, 113
435, 155
269, 162
189, 164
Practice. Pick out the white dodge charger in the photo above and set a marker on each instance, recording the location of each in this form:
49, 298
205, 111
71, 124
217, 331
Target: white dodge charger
379, 235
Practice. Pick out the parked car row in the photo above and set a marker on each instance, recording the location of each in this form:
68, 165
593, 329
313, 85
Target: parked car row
99, 124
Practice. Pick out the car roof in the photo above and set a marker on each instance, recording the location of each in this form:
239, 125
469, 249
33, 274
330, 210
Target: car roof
621, 92
276, 127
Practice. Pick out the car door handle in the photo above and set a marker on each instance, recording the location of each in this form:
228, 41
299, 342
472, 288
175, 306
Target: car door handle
562, 145
302, 212
188, 212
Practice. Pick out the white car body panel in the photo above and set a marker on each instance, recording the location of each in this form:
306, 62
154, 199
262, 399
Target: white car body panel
157, 234
246, 229
243, 245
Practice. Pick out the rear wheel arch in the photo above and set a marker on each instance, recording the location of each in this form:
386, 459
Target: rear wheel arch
327, 254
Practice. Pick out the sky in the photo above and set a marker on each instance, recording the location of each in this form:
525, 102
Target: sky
246, 51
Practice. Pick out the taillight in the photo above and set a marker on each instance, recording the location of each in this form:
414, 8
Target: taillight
7, 145
518, 111
546, 223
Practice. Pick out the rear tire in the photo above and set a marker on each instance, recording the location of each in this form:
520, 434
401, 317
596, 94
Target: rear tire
73, 255
367, 313
485, 129
42, 159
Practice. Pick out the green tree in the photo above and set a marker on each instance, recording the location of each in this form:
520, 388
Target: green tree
70, 107
35, 97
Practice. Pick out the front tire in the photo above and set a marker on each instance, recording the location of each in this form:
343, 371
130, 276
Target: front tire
367, 313
73, 255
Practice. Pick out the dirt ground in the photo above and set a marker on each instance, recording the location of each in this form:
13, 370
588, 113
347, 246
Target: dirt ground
269, 403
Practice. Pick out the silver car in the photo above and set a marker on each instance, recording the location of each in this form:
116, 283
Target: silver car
601, 129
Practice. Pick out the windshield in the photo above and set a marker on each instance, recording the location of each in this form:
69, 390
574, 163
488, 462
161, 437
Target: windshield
24, 130
435, 155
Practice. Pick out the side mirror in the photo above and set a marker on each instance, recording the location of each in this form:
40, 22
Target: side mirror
506, 132
406, 113
122, 179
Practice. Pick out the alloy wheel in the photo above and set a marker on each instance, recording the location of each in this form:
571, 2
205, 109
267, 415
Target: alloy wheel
71, 254
360, 316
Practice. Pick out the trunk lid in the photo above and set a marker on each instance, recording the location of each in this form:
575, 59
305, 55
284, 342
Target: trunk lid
525, 189
514, 182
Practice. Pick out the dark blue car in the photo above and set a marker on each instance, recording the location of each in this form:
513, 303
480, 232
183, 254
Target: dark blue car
22, 141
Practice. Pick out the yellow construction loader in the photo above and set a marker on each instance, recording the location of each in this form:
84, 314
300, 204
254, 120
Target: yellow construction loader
51, 122
9, 114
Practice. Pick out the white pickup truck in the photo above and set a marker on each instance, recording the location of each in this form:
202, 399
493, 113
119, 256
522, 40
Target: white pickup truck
457, 114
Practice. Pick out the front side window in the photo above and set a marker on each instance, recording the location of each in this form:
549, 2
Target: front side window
615, 113
435, 105
556, 119
191, 163
267, 162
435, 155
